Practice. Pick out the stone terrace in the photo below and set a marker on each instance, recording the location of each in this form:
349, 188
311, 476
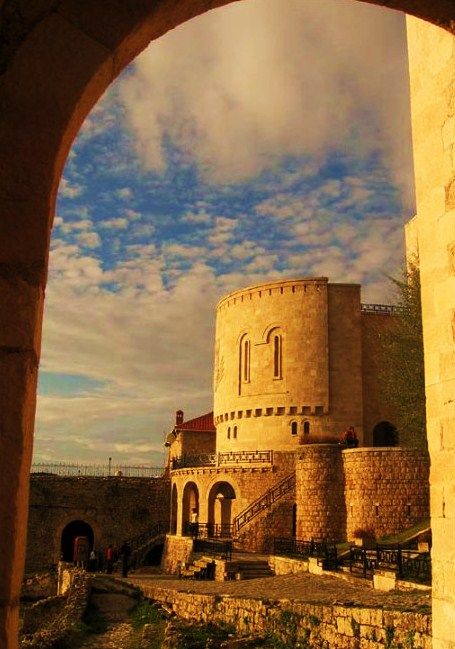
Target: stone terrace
303, 587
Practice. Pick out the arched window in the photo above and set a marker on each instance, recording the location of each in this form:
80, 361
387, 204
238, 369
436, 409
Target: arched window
294, 428
277, 356
306, 428
244, 361
235, 432
229, 432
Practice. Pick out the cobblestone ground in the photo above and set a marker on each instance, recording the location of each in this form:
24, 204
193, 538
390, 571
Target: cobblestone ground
303, 587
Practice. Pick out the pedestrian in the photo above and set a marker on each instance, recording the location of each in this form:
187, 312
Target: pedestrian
349, 438
125, 553
194, 523
109, 559
92, 561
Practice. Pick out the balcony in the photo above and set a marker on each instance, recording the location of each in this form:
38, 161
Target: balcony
227, 458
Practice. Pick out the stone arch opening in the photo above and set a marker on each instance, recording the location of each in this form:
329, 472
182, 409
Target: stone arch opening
220, 502
65, 58
74, 530
190, 505
174, 510
385, 434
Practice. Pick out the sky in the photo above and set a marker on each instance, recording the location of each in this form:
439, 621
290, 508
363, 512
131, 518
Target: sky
264, 140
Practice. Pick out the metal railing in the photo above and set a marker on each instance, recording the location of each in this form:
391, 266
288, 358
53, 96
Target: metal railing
192, 461
323, 549
214, 548
207, 530
97, 470
144, 542
379, 308
410, 565
225, 458
265, 501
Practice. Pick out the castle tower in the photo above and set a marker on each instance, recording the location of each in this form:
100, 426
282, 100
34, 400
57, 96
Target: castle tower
287, 365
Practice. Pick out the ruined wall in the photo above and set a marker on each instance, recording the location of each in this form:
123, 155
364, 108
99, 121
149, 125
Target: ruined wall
386, 489
375, 407
337, 626
116, 509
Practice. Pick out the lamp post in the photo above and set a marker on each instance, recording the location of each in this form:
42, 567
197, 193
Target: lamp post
109, 471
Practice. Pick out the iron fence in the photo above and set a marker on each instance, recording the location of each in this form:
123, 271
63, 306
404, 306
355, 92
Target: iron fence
380, 308
214, 548
224, 458
207, 530
322, 549
245, 457
191, 461
97, 470
410, 565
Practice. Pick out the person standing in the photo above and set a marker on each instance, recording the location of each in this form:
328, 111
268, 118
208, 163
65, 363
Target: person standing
125, 553
109, 559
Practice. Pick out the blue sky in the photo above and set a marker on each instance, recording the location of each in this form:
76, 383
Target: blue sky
259, 141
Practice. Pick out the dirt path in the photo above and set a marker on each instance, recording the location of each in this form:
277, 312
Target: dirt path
118, 636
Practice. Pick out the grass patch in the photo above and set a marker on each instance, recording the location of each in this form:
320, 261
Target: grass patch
145, 613
197, 636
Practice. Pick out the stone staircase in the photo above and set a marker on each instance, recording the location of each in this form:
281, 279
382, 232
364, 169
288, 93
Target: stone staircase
201, 568
248, 569
264, 502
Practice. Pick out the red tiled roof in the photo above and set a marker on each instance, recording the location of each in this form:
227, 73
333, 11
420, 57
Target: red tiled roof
204, 422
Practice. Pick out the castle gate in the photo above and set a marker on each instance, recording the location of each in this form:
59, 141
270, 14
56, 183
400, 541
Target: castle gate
56, 61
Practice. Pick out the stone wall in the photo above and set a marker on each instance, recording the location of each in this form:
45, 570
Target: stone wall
116, 508
375, 407
321, 510
314, 625
386, 489
177, 550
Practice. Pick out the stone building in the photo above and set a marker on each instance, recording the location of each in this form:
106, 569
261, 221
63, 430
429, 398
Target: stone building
296, 363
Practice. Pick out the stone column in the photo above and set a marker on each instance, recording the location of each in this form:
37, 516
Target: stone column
432, 75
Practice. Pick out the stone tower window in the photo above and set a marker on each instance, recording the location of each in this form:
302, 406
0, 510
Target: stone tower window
306, 428
229, 432
244, 361
277, 357
234, 435
294, 428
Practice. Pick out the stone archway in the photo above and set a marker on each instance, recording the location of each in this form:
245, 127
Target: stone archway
70, 532
190, 504
56, 59
174, 509
220, 500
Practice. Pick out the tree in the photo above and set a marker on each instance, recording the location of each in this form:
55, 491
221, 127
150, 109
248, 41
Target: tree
402, 347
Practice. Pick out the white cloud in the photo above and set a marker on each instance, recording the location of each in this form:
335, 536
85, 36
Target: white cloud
69, 190
242, 86
89, 239
118, 223
71, 226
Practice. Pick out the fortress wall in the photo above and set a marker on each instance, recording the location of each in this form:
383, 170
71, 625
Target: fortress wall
320, 493
345, 354
380, 484
375, 407
116, 509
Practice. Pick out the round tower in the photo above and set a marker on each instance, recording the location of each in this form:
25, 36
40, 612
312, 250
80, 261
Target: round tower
287, 365
321, 509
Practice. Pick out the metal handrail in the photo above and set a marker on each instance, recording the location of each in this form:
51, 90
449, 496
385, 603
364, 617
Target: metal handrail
223, 458
207, 530
265, 501
380, 308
